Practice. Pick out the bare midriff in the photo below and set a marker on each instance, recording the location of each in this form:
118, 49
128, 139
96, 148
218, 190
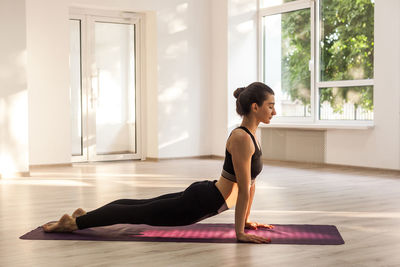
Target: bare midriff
229, 191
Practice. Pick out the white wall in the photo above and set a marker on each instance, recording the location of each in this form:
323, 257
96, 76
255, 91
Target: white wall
184, 78
234, 62
379, 147
13, 89
219, 75
183, 53
48, 82
151, 83
242, 51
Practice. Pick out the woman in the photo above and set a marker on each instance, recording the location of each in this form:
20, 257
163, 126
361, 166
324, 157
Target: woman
255, 103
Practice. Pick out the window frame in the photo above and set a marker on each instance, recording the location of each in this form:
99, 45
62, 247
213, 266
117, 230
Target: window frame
314, 65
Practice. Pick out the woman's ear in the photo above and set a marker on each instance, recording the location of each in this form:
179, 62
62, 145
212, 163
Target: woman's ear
254, 107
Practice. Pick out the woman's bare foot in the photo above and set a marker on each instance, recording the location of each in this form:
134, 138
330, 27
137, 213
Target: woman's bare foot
79, 212
65, 224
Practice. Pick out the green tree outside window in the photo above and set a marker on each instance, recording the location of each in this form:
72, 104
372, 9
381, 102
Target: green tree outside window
346, 52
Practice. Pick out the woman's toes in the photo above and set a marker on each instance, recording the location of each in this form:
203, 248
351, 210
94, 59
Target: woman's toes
65, 224
64, 219
49, 227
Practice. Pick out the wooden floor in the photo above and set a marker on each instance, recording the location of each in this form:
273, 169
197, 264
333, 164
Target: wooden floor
363, 204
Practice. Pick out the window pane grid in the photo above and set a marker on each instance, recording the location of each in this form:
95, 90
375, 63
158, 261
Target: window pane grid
287, 41
346, 83
346, 40
269, 3
346, 103
344, 65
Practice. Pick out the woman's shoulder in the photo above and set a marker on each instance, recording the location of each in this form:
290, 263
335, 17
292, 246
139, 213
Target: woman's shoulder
240, 140
240, 135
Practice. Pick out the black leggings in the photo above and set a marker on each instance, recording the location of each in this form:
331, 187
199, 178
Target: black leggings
198, 202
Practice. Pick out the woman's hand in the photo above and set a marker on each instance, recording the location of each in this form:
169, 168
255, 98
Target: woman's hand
256, 226
247, 238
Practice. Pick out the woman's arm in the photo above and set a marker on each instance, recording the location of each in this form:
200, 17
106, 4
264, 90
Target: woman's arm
252, 191
254, 225
241, 149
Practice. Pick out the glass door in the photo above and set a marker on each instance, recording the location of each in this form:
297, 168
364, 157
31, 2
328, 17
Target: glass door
112, 91
113, 98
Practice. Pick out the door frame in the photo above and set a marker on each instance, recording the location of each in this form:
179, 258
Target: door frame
87, 18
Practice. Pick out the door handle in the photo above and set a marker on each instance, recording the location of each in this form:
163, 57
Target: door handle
95, 85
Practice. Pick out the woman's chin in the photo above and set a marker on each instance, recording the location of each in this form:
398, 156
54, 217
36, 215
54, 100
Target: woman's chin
268, 121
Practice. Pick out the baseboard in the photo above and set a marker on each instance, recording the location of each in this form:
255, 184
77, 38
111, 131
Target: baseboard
300, 164
31, 167
217, 157
178, 158
152, 159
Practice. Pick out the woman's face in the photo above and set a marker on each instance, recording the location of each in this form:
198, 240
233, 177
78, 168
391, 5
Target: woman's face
267, 110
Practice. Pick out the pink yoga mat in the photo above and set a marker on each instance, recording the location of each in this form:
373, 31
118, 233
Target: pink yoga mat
203, 233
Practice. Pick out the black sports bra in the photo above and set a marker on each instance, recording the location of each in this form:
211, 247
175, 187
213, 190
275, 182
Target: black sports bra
228, 171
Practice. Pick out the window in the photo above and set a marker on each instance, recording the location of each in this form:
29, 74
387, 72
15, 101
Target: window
318, 58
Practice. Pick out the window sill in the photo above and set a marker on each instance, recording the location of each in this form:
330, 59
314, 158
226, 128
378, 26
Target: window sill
321, 126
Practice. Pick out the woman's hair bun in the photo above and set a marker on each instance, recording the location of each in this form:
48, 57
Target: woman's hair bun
238, 91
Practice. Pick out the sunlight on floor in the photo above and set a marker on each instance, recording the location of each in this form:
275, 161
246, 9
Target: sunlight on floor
96, 175
352, 214
44, 182
151, 184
